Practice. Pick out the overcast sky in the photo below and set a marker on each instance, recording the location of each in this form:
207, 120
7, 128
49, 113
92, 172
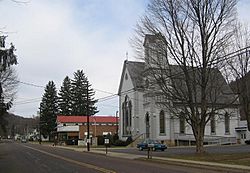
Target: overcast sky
55, 38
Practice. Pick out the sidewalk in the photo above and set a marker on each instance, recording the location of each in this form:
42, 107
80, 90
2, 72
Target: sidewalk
173, 161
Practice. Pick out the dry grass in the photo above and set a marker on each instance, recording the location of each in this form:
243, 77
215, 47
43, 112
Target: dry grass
236, 158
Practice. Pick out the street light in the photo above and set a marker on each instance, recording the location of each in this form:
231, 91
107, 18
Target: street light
94, 119
40, 133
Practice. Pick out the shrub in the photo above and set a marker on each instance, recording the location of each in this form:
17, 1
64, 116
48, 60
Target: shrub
115, 137
120, 143
129, 140
100, 140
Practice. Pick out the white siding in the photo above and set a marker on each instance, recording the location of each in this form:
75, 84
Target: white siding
67, 128
127, 88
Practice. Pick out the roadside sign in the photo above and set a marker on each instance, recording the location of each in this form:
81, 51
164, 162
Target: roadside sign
150, 148
150, 145
106, 141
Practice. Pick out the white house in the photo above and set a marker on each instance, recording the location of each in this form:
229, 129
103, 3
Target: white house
143, 116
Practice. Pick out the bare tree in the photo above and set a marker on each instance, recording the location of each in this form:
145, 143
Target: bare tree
9, 81
236, 68
191, 35
7, 76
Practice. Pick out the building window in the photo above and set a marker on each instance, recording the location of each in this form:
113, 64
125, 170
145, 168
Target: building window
243, 136
182, 123
147, 125
127, 114
162, 122
212, 123
227, 123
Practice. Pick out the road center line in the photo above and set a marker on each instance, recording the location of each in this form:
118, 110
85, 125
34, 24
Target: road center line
73, 161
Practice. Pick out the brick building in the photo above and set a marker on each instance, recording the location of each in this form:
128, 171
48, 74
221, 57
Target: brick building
75, 127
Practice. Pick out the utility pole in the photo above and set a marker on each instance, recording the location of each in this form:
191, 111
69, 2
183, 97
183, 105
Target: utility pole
40, 135
116, 121
87, 110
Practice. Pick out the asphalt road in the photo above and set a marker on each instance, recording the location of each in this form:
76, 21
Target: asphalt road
29, 158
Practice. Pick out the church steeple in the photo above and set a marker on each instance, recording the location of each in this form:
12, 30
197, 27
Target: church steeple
155, 51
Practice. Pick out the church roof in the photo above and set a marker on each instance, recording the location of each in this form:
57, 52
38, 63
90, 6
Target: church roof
221, 92
135, 70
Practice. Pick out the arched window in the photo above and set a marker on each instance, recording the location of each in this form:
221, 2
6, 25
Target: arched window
212, 123
127, 114
147, 124
162, 122
126, 76
130, 114
182, 122
123, 118
227, 123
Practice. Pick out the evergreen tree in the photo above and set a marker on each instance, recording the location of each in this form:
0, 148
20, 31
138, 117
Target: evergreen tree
80, 89
48, 110
65, 98
91, 100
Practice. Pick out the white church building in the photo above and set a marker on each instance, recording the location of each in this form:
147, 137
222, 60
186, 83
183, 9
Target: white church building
143, 116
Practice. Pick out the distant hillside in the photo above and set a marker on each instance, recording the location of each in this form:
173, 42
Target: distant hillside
18, 125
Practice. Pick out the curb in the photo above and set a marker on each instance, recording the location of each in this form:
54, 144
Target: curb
202, 163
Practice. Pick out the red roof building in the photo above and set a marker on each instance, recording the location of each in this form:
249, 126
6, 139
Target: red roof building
75, 127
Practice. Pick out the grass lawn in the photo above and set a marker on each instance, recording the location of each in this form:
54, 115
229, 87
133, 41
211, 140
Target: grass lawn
236, 158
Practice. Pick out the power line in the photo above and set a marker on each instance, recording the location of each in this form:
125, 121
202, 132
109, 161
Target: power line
102, 99
103, 91
107, 97
40, 86
29, 84
108, 105
27, 101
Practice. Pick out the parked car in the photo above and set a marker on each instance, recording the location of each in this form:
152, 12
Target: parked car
247, 142
71, 142
156, 145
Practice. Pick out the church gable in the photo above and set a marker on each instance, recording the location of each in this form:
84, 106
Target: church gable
131, 76
127, 83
